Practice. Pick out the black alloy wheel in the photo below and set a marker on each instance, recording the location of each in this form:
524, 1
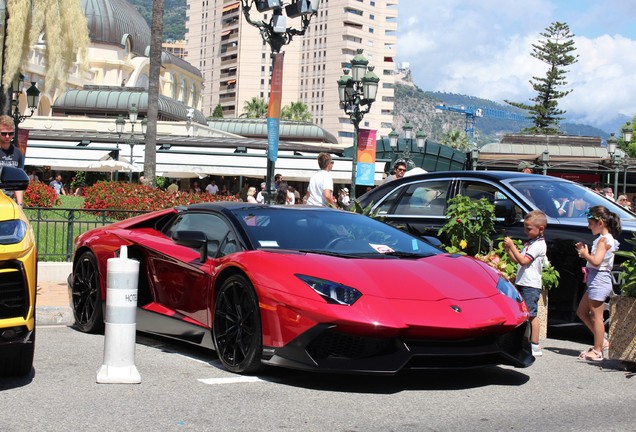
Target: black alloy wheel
237, 326
87, 295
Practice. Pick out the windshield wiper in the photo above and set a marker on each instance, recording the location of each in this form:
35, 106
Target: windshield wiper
329, 253
407, 254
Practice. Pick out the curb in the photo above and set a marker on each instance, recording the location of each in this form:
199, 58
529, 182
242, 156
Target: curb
54, 315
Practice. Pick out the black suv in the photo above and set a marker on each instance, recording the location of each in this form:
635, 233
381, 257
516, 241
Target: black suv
417, 204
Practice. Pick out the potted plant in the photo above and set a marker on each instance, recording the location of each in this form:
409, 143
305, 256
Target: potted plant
623, 311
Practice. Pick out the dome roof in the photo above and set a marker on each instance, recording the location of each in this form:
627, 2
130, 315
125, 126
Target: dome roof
112, 21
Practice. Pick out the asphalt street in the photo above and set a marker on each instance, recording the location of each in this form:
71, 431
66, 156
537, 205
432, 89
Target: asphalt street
186, 389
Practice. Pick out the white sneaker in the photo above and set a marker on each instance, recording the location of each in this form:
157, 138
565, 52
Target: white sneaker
536, 350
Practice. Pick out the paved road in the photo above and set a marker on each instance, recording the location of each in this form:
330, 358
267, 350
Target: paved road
186, 389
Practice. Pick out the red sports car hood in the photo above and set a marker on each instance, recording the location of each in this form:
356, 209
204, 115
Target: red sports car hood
427, 279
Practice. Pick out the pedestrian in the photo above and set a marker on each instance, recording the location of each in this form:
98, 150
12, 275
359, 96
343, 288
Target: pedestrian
624, 201
174, 187
598, 277
10, 155
212, 188
529, 269
58, 185
260, 196
525, 167
250, 195
321, 184
608, 193
398, 171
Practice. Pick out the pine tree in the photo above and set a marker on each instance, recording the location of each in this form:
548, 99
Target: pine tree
218, 111
555, 50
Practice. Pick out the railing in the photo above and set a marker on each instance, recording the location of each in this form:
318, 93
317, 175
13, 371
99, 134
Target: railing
56, 228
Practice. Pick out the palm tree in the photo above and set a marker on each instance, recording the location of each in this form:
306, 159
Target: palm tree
156, 32
296, 111
455, 139
255, 108
66, 31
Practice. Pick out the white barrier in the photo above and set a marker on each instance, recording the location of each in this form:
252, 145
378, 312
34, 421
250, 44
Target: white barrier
119, 333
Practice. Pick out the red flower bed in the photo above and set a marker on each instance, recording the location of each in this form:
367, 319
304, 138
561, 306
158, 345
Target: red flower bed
39, 194
136, 197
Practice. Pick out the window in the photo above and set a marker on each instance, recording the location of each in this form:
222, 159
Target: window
424, 198
221, 239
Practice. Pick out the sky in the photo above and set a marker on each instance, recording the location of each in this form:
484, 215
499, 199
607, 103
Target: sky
482, 48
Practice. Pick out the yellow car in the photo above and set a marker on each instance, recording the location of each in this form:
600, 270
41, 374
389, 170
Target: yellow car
18, 279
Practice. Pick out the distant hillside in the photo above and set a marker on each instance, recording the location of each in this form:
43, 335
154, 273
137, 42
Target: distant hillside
418, 107
174, 16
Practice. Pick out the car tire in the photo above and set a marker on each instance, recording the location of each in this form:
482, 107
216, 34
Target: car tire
19, 360
237, 326
86, 295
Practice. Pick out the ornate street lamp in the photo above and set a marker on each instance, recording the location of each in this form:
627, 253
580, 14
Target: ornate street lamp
394, 141
33, 97
357, 93
627, 133
277, 34
120, 125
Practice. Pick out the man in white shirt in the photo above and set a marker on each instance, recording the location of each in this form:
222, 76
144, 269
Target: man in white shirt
260, 198
321, 184
212, 188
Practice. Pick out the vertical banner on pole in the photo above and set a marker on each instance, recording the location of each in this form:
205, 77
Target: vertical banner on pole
273, 110
365, 173
23, 138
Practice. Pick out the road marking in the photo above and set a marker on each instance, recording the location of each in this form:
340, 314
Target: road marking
232, 380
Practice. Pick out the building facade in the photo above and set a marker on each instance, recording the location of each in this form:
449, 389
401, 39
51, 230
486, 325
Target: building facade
235, 62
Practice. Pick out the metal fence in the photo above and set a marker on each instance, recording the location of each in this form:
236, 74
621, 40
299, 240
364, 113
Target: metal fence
56, 228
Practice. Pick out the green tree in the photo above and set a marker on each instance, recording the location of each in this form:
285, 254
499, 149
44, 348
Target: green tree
629, 147
296, 111
218, 111
456, 139
255, 108
555, 50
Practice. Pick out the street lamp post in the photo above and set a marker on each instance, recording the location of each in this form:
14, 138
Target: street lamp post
474, 157
357, 93
545, 159
627, 139
120, 125
33, 96
276, 34
394, 143
615, 158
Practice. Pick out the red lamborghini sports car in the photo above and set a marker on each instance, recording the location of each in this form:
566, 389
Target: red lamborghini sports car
305, 288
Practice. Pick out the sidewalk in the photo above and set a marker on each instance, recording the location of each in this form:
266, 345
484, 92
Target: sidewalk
52, 300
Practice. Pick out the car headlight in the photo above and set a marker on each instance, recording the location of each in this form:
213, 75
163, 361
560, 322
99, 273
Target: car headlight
332, 292
508, 289
12, 231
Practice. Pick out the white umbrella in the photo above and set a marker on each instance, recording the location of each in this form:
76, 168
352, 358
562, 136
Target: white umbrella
110, 165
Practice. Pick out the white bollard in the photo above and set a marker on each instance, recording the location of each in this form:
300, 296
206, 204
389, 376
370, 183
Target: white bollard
121, 311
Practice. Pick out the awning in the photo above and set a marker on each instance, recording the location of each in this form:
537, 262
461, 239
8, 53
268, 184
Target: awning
186, 162
232, 81
226, 32
230, 7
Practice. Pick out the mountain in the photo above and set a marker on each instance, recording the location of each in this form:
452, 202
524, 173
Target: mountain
174, 16
418, 107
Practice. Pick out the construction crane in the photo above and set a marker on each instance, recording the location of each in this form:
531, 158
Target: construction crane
472, 112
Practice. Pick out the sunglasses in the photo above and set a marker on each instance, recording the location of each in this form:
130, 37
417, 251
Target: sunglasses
6, 133
400, 169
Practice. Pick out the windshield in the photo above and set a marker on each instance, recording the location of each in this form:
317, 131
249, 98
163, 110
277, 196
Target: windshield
330, 232
562, 199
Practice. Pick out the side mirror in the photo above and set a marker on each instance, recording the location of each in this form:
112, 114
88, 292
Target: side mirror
193, 239
12, 179
433, 241
505, 210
